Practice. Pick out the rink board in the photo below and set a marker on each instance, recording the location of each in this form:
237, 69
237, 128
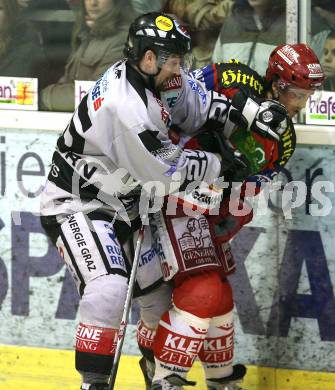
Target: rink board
34, 368
284, 285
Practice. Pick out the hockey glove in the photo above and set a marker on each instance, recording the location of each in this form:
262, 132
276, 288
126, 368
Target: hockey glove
235, 167
267, 118
271, 120
207, 140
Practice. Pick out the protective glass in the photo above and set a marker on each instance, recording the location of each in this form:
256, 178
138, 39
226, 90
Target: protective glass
175, 62
295, 99
300, 95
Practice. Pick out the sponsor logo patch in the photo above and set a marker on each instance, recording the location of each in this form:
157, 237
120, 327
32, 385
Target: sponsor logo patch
147, 257
288, 54
196, 245
267, 116
97, 99
164, 23
195, 87
174, 83
315, 71
232, 77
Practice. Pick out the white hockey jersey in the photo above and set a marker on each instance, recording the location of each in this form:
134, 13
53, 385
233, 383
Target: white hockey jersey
117, 141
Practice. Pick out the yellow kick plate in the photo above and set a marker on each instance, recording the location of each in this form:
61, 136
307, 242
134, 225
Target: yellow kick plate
25, 368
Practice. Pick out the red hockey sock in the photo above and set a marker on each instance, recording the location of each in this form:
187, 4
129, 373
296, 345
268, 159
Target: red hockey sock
145, 339
217, 351
95, 348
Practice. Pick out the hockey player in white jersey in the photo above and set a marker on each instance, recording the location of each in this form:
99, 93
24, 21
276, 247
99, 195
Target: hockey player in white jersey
116, 142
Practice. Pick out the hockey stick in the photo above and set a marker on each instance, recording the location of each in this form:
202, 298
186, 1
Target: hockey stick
126, 309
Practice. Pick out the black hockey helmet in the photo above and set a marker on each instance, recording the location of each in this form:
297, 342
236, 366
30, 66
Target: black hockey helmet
159, 32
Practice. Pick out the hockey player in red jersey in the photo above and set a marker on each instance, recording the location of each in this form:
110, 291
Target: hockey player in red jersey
194, 249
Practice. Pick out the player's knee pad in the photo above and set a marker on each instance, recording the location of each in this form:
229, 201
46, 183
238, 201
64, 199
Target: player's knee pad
103, 301
199, 295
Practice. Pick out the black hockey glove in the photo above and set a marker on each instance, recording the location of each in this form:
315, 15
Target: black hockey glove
271, 120
235, 166
207, 140
267, 118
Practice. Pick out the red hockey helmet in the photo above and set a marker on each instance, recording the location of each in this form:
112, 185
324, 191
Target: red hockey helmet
295, 65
